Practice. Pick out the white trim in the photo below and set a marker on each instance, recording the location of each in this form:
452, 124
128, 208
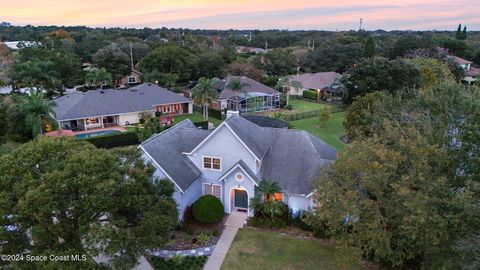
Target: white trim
310, 194
211, 169
189, 101
160, 167
232, 169
212, 184
224, 123
230, 203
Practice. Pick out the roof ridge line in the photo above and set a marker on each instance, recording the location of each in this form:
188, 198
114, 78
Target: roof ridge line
163, 132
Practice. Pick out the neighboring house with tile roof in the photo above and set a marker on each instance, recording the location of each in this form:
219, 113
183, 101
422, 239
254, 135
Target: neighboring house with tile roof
230, 161
252, 97
320, 81
472, 74
108, 107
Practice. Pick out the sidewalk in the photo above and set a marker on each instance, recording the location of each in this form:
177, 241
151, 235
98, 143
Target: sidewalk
235, 221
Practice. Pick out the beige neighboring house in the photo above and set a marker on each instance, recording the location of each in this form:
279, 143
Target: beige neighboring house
135, 77
471, 73
320, 81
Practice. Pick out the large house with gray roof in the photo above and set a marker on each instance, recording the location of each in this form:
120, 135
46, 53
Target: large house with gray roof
230, 161
108, 107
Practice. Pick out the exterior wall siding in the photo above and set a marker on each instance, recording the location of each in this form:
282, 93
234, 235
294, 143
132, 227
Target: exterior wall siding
298, 203
223, 144
131, 118
230, 183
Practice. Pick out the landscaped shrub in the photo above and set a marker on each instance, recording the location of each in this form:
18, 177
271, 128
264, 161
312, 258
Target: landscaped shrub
208, 209
310, 94
114, 140
177, 263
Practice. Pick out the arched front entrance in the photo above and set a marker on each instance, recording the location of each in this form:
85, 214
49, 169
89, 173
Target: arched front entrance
239, 199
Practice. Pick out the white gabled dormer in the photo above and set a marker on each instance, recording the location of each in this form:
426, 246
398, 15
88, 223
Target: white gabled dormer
219, 151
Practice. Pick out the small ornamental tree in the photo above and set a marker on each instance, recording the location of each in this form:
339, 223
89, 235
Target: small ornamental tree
208, 209
325, 115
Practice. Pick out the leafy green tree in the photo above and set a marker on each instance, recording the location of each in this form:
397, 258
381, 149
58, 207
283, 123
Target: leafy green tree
30, 117
150, 127
244, 69
97, 76
284, 85
280, 62
464, 33
388, 195
169, 59
369, 48
4, 121
114, 60
379, 74
409, 43
335, 54
61, 196
325, 115
208, 64
204, 94
38, 74
432, 72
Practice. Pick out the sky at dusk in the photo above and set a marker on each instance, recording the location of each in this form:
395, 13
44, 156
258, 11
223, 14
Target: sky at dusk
247, 14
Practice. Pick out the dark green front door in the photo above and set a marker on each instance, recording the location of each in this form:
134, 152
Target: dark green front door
241, 198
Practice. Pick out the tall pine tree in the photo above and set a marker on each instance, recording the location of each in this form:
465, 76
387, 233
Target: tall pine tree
369, 48
464, 33
458, 35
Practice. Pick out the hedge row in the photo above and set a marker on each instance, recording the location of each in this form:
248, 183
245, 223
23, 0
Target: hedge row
310, 94
114, 140
211, 112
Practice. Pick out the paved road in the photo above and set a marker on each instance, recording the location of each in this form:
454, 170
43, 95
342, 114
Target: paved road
235, 221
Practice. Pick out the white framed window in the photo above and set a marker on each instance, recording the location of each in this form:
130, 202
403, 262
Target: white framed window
212, 189
132, 79
212, 163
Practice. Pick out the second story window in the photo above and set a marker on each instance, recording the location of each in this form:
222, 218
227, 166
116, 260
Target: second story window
132, 79
211, 163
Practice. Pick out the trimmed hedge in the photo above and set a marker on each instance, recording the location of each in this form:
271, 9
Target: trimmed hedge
208, 209
310, 94
114, 140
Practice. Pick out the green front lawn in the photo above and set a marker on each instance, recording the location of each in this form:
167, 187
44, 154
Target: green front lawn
330, 133
8, 147
303, 106
195, 117
255, 249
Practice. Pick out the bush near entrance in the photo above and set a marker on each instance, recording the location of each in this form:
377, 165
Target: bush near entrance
208, 209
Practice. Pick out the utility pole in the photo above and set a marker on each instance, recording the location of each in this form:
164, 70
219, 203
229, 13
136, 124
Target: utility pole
361, 22
131, 55
266, 45
313, 45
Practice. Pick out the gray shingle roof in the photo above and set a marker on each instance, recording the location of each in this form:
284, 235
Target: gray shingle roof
295, 159
166, 149
140, 98
250, 85
292, 158
320, 80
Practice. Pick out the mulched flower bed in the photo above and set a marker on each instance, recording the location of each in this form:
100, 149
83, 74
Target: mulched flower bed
193, 234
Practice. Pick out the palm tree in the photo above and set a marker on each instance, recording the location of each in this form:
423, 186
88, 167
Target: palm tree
238, 86
264, 201
290, 83
97, 76
205, 94
35, 111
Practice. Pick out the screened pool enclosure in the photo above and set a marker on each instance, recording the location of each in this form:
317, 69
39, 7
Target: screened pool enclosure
253, 102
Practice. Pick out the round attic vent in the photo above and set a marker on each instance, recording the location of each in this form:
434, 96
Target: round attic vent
239, 177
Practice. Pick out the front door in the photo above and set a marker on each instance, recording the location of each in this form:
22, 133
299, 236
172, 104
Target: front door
241, 198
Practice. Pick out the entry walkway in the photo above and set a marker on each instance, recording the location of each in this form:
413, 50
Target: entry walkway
235, 221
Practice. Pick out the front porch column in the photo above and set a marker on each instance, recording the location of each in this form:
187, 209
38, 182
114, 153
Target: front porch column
190, 108
101, 121
85, 123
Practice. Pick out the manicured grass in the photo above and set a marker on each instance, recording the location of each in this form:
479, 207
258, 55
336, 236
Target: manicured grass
303, 106
255, 249
330, 133
8, 147
195, 117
